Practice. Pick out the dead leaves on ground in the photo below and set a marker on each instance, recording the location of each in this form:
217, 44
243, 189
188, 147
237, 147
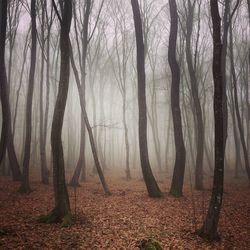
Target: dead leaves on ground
120, 221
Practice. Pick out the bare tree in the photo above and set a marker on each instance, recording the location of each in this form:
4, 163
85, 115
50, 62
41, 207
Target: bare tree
180, 153
44, 169
3, 80
151, 184
61, 211
236, 105
195, 95
81, 90
25, 186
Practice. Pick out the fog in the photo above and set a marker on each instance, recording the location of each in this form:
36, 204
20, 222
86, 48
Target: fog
107, 105
111, 66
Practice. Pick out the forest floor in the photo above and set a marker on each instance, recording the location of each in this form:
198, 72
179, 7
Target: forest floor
121, 220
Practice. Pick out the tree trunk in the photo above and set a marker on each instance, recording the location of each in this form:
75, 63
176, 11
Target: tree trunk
89, 129
44, 169
209, 228
236, 105
61, 211
124, 121
3, 81
180, 152
151, 184
25, 186
81, 164
195, 95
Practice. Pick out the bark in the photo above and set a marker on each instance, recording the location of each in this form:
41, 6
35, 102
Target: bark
180, 152
25, 186
151, 184
209, 228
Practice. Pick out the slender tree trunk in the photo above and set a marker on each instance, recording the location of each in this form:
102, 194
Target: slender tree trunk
3, 81
61, 211
236, 105
25, 186
180, 152
235, 132
81, 166
47, 102
124, 120
44, 169
209, 228
20, 85
197, 105
89, 129
151, 184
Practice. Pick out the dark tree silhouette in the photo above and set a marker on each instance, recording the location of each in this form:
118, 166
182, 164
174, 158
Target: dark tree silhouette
25, 186
42, 134
61, 212
3, 80
180, 152
209, 228
151, 184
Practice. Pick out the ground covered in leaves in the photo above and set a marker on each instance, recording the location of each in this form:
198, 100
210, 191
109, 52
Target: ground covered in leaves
121, 220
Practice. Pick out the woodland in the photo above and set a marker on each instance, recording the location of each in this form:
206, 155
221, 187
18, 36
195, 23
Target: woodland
124, 124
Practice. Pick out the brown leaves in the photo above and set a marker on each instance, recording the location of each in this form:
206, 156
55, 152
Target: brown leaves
120, 221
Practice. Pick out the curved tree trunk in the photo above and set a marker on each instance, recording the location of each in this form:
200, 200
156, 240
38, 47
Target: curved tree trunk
151, 184
180, 152
61, 211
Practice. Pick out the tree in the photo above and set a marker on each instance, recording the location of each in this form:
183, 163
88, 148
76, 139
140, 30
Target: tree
236, 105
44, 169
122, 49
151, 184
180, 153
25, 186
61, 211
81, 163
3, 80
14, 11
81, 91
209, 228
195, 95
